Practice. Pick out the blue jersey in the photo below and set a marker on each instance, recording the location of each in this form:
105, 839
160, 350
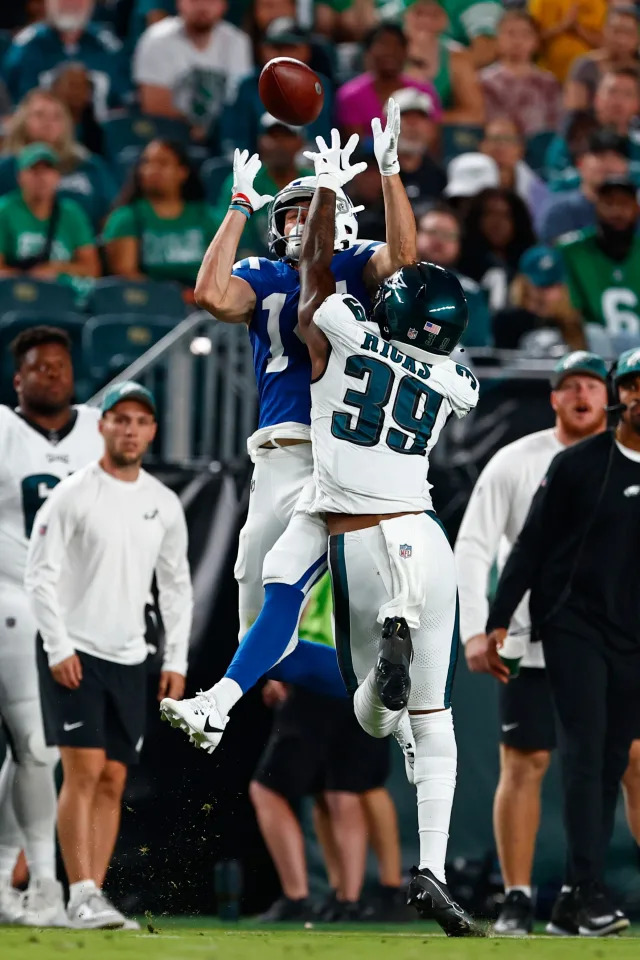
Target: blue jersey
280, 358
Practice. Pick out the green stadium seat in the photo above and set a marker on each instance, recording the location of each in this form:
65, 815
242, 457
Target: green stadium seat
14, 322
114, 340
460, 138
126, 137
536, 150
23, 293
213, 173
148, 297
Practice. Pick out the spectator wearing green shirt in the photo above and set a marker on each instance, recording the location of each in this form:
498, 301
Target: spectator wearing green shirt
85, 178
279, 146
41, 234
603, 267
161, 228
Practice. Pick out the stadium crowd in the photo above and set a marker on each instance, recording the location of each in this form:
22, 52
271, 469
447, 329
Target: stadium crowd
519, 150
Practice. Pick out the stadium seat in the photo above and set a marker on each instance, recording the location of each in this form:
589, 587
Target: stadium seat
114, 340
148, 297
41, 296
459, 138
14, 322
213, 173
536, 150
126, 137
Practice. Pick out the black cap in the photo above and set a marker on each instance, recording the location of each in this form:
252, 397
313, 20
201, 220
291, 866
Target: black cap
608, 141
618, 183
286, 32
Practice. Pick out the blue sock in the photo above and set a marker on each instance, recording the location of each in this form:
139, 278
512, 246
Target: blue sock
265, 642
314, 666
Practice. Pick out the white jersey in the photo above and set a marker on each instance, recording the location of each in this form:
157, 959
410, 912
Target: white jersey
93, 551
376, 413
492, 522
32, 462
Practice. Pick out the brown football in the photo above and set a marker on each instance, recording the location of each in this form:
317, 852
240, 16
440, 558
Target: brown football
291, 91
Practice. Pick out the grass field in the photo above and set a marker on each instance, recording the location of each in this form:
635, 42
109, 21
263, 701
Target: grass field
194, 940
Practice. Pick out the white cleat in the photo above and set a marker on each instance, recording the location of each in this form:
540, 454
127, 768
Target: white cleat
44, 905
404, 737
130, 924
199, 717
95, 912
11, 904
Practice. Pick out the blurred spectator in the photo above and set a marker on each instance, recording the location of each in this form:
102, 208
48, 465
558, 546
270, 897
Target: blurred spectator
19, 13
439, 241
616, 105
421, 175
513, 86
72, 85
619, 48
366, 189
564, 149
85, 178
504, 143
603, 265
539, 299
279, 146
607, 155
470, 173
144, 14
433, 58
497, 230
67, 34
361, 99
42, 234
241, 117
567, 30
161, 228
186, 66
261, 13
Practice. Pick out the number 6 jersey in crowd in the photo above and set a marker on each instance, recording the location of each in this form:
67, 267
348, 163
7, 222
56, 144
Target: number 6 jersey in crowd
32, 461
390, 403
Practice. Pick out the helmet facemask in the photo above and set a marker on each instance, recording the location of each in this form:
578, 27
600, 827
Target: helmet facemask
288, 247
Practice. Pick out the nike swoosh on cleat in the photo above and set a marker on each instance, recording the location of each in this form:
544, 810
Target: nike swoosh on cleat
209, 729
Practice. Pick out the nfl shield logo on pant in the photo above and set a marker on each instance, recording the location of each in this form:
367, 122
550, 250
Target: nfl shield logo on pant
405, 551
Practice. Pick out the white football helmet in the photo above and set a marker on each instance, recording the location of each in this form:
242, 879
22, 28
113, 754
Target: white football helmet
288, 248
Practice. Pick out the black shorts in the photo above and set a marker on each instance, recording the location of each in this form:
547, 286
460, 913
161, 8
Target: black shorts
317, 744
107, 711
526, 711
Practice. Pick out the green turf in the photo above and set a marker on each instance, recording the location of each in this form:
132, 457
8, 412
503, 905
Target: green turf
176, 940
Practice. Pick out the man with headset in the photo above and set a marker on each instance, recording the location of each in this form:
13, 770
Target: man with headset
578, 554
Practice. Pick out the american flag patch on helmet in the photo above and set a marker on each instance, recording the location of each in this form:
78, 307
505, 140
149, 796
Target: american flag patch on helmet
432, 327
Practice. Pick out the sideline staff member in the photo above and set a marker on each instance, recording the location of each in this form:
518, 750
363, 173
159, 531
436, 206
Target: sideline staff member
94, 548
495, 514
578, 552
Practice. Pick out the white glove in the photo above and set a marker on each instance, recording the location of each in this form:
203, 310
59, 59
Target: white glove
385, 142
245, 169
332, 164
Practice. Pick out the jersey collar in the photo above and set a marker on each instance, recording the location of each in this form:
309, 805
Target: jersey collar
53, 436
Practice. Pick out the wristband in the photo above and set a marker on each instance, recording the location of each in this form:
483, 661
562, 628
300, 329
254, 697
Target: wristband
240, 209
329, 181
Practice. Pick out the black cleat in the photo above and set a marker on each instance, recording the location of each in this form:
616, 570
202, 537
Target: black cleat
394, 660
564, 916
285, 910
597, 917
432, 900
516, 916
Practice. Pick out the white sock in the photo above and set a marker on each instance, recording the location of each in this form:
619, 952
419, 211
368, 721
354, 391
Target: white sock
79, 890
522, 889
435, 780
34, 801
11, 838
8, 857
374, 718
227, 693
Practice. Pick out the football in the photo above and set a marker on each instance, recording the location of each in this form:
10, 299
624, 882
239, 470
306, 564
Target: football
291, 91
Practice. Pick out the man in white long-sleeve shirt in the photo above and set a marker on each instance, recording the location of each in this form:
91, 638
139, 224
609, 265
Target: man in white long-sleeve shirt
494, 517
95, 546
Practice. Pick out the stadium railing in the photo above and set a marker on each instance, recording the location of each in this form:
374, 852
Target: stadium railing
202, 375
